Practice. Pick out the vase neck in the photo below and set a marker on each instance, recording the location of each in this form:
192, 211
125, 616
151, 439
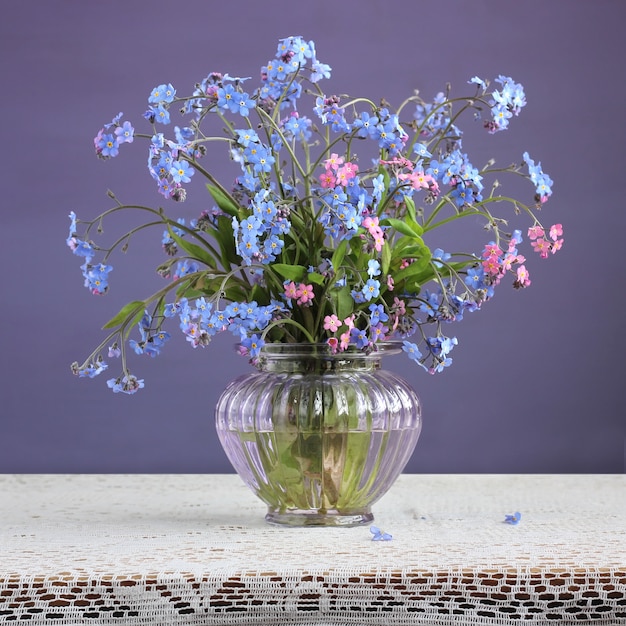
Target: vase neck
318, 358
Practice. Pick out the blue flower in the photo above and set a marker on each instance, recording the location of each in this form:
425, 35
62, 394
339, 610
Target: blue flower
359, 337
513, 519
371, 289
246, 136
377, 314
440, 255
475, 278
421, 150
365, 125
379, 535
412, 351
319, 71
127, 384
108, 145
125, 133
181, 171
161, 115
373, 268
253, 344
162, 93
242, 103
92, 369
478, 81
96, 277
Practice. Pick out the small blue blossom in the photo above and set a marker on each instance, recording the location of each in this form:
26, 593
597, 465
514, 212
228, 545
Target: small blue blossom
162, 93
412, 351
359, 337
371, 289
127, 384
440, 255
181, 171
421, 150
92, 369
373, 268
161, 115
125, 133
513, 519
377, 314
253, 345
478, 81
108, 145
379, 535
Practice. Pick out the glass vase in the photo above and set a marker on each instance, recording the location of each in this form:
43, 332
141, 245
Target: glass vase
319, 437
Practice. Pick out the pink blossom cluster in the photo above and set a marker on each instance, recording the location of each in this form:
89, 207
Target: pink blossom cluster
337, 172
302, 294
370, 223
542, 244
376, 331
496, 263
333, 324
417, 178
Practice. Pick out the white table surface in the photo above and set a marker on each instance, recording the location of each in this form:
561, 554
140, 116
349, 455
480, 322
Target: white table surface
195, 549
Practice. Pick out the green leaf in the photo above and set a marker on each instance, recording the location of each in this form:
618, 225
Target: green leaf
259, 295
416, 268
410, 208
386, 257
339, 254
345, 303
134, 309
223, 200
290, 272
406, 227
225, 238
413, 251
314, 277
195, 251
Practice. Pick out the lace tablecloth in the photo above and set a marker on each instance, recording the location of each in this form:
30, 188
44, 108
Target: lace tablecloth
190, 549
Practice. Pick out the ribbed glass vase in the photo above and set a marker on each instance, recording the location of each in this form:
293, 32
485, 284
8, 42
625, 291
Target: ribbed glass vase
319, 437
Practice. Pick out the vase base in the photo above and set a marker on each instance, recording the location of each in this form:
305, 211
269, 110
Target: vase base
296, 517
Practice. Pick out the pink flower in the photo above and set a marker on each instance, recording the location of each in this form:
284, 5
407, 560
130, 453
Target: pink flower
399, 306
522, 277
535, 231
333, 342
349, 322
348, 171
509, 259
291, 291
333, 162
327, 179
332, 323
344, 340
557, 245
390, 283
556, 230
490, 250
379, 241
304, 293
370, 223
418, 179
542, 247
492, 265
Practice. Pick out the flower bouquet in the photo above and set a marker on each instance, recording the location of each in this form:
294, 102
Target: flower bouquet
323, 236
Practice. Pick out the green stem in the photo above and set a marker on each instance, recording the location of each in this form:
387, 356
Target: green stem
292, 322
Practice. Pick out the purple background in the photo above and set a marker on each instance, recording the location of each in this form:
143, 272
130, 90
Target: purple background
537, 382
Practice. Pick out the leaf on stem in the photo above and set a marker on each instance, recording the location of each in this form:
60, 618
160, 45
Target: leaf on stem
132, 310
